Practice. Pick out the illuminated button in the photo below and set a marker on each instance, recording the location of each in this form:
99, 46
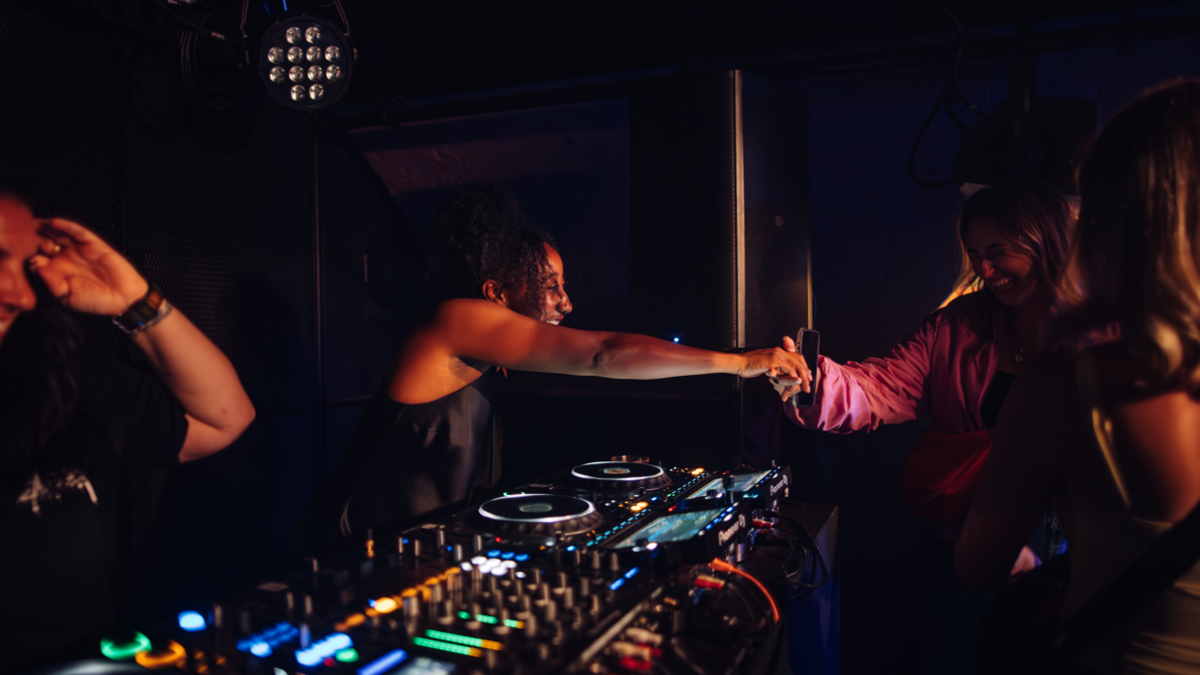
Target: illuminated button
522, 557
478, 560
127, 650
192, 622
169, 657
260, 649
384, 663
464, 640
346, 655
697, 472
385, 605
639, 506
447, 647
494, 553
507, 555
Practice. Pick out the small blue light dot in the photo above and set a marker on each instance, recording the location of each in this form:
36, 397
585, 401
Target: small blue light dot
571, 548
675, 340
507, 555
494, 553
260, 649
522, 557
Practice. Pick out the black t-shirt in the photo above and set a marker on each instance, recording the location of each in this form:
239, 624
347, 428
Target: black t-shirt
58, 547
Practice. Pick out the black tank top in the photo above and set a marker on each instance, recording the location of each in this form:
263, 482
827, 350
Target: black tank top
407, 460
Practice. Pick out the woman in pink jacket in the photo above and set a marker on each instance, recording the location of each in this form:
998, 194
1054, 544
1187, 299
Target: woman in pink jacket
957, 368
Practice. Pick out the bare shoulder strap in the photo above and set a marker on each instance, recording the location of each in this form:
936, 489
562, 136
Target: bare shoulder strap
1087, 382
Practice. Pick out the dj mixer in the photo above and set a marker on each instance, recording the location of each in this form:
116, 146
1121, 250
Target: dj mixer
607, 567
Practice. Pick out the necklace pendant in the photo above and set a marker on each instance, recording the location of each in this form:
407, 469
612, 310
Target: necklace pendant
1019, 356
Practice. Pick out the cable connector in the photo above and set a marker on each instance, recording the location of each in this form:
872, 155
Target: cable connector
721, 566
705, 581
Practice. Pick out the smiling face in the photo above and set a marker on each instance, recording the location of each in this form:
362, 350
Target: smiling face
1005, 268
551, 303
18, 243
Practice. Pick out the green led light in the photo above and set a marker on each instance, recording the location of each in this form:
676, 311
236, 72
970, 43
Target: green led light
348, 655
457, 639
484, 618
445, 646
116, 652
513, 623
464, 615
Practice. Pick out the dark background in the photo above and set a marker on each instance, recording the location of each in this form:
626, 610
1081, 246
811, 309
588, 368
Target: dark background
221, 211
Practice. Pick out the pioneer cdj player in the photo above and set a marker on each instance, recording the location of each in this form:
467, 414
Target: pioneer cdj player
607, 567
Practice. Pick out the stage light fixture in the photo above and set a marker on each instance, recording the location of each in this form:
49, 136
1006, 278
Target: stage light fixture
321, 59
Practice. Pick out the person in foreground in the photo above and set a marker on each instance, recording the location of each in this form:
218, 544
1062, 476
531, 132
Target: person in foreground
957, 368
425, 440
71, 425
1109, 430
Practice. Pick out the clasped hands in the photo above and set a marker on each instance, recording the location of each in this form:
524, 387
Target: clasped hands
790, 386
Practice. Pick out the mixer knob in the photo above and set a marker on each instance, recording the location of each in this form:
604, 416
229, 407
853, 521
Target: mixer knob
289, 601
412, 608
596, 605
316, 565
493, 584
550, 612
416, 550
439, 538
595, 561
543, 652
308, 605
568, 597
585, 586
457, 555
577, 557
445, 613
543, 593
524, 604
531, 627
436, 593
560, 580
614, 563
400, 544
491, 659
476, 543
218, 616
244, 622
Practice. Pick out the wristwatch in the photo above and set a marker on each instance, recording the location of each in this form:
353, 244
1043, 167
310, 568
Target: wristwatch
145, 312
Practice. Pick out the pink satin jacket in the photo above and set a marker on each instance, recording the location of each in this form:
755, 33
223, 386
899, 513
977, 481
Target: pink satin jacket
926, 373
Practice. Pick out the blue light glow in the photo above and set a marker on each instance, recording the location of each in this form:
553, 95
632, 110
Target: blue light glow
522, 557
260, 649
319, 651
192, 622
494, 553
630, 573
507, 555
617, 584
383, 663
674, 339
571, 547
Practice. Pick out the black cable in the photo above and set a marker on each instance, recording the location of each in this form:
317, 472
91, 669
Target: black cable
187, 25
810, 585
950, 94
212, 101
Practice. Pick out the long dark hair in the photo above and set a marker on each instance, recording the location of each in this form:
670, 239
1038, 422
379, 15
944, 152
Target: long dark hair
1037, 220
1136, 258
40, 370
481, 234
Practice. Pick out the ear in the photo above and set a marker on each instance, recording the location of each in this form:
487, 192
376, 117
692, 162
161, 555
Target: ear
493, 292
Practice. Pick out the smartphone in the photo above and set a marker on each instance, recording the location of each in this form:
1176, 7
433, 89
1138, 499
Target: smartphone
808, 342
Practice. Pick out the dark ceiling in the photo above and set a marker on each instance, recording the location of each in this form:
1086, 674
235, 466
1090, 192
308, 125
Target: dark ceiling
422, 54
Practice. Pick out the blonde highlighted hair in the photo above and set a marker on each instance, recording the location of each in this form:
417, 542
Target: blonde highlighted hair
1136, 254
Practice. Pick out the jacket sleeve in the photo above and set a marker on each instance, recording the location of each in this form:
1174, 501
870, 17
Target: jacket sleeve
877, 391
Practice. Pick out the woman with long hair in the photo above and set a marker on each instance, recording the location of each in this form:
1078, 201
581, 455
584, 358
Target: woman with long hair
958, 369
1107, 427
71, 425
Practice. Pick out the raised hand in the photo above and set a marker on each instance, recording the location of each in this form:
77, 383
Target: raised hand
788, 388
84, 272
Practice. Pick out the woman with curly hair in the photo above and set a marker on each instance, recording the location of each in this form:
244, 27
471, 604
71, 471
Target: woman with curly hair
425, 440
1107, 429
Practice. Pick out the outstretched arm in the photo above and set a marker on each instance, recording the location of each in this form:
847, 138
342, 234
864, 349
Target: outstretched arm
87, 275
483, 331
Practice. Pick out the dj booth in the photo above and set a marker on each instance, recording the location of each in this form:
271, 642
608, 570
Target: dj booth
619, 566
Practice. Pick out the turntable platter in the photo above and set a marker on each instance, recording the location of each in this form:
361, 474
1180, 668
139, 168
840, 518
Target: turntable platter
619, 476
537, 515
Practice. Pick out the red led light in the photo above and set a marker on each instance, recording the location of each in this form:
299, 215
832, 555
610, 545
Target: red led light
635, 665
498, 540
329, 661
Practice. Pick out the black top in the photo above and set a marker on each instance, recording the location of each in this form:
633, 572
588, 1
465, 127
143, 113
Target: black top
406, 460
59, 533
993, 398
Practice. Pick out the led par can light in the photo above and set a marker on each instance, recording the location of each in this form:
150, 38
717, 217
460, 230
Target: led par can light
315, 56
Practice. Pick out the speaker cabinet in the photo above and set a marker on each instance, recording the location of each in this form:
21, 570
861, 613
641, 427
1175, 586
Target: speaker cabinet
719, 177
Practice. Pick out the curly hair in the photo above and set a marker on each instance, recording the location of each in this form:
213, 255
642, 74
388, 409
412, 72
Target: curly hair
1136, 257
41, 362
1037, 219
481, 234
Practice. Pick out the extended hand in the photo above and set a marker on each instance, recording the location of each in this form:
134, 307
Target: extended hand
780, 365
84, 272
1027, 560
